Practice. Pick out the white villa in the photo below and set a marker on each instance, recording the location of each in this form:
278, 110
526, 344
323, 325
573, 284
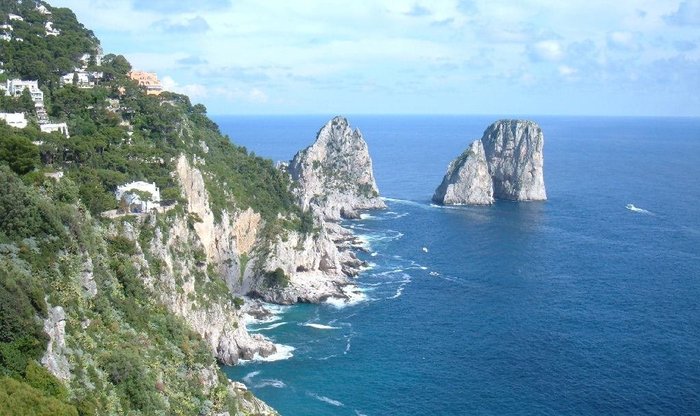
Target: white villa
16, 120
138, 197
85, 79
15, 87
15, 17
52, 127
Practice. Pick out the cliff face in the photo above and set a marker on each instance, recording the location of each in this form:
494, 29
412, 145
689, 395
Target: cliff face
335, 174
507, 163
514, 155
333, 180
467, 180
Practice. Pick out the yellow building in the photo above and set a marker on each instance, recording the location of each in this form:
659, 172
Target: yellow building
148, 80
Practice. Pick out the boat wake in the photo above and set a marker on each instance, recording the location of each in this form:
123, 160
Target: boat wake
632, 208
326, 399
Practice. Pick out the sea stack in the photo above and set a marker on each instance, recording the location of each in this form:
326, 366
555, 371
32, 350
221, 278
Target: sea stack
334, 175
507, 163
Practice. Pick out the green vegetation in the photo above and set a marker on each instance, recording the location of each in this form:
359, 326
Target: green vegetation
138, 357
21, 399
41, 57
276, 279
127, 353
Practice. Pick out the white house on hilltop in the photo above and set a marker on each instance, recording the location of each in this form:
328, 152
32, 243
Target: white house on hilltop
138, 197
16, 120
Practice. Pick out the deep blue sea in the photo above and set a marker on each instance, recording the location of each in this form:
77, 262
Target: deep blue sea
573, 306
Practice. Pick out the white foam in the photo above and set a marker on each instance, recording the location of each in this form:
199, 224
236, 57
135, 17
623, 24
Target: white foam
374, 254
327, 400
403, 201
274, 310
284, 352
354, 295
632, 208
399, 290
267, 328
250, 376
271, 382
365, 216
320, 326
422, 267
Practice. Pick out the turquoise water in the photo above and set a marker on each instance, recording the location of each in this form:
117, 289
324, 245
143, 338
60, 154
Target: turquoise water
577, 305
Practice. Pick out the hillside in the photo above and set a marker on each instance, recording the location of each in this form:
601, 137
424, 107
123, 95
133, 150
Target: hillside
105, 309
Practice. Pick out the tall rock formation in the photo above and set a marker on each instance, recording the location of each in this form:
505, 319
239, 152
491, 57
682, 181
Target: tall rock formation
467, 180
334, 174
514, 155
507, 163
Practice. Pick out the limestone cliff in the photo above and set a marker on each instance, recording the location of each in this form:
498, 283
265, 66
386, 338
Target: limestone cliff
507, 163
334, 174
467, 180
514, 154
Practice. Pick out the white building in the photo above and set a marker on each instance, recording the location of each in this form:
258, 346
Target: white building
82, 79
15, 17
52, 127
16, 120
15, 87
138, 197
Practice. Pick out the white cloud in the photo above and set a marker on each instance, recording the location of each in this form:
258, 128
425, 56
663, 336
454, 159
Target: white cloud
547, 50
622, 41
196, 92
566, 70
309, 52
688, 13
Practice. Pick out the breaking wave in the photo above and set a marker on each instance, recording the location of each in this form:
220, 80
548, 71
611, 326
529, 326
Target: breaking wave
320, 326
284, 352
632, 208
327, 400
267, 328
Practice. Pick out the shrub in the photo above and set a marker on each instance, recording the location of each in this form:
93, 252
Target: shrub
276, 279
21, 399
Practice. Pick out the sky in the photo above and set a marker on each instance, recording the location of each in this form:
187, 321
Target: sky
542, 57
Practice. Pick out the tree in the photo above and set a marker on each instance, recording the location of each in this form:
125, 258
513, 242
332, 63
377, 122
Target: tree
19, 153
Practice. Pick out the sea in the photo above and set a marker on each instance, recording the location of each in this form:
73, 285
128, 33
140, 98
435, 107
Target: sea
586, 304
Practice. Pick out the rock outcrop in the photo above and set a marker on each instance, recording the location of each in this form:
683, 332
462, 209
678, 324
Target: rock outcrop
335, 174
507, 163
467, 180
55, 359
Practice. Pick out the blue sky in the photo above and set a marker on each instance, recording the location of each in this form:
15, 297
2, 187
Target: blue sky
574, 57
